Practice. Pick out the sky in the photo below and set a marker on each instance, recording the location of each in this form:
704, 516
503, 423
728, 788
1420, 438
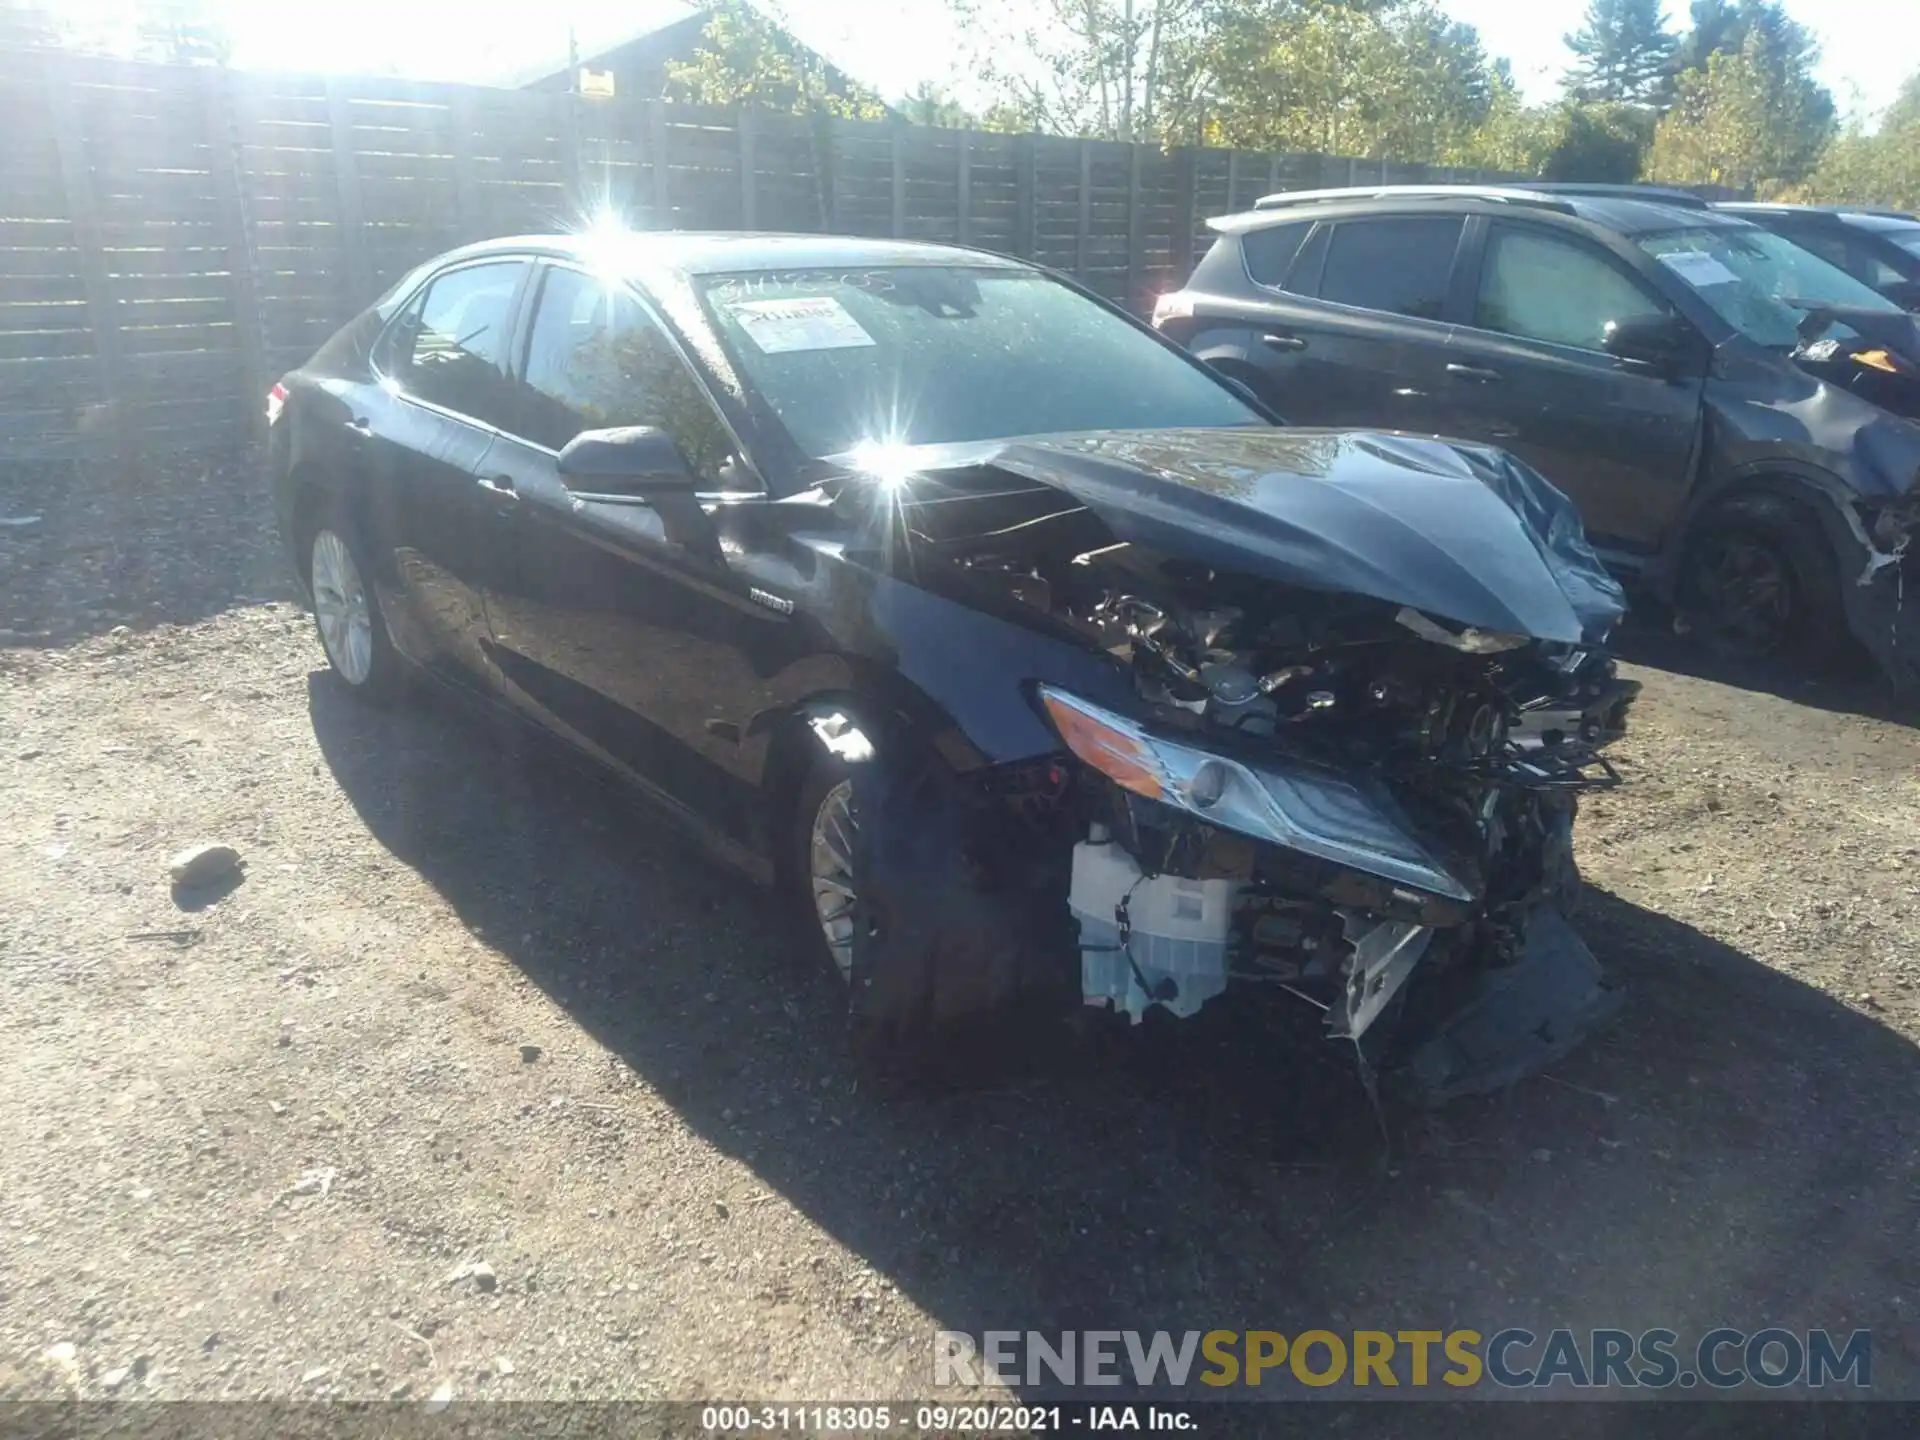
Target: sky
1869, 46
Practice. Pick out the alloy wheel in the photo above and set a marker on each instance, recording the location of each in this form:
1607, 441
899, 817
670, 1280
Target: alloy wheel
341, 606
830, 853
1745, 590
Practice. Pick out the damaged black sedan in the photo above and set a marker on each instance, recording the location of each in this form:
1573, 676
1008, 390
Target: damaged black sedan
1038, 666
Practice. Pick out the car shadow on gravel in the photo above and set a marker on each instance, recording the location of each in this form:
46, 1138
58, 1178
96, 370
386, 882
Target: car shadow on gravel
1851, 685
1736, 1149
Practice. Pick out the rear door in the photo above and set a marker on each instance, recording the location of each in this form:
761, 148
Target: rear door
1372, 352
1528, 373
442, 394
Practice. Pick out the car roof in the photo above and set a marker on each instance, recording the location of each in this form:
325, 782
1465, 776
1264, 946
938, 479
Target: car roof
1865, 216
694, 252
1628, 209
1884, 221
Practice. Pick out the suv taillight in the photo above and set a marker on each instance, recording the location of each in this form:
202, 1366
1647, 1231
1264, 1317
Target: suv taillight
276, 402
1174, 305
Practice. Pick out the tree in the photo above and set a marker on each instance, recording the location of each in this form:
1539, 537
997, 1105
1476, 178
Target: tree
1623, 51
1515, 138
929, 104
746, 57
1103, 68
1905, 110
1716, 29
1733, 125
1882, 168
1392, 78
1786, 48
1768, 73
1572, 140
1600, 144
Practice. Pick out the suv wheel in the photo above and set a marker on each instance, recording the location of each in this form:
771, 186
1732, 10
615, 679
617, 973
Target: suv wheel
1760, 582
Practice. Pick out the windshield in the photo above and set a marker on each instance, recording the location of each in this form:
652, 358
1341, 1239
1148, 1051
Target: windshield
1907, 240
927, 355
1758, 282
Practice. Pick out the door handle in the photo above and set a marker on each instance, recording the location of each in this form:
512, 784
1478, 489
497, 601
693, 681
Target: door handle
1478, 373
1283, 342
500, 488
361, 426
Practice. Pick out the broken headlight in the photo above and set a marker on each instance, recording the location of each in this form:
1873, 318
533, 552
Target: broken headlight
1299, 807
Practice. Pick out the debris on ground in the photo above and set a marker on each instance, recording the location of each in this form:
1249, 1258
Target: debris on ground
478, 1271
318, 1181
200, 866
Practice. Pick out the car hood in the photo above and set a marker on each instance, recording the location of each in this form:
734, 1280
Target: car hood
1881, 365
1460, 532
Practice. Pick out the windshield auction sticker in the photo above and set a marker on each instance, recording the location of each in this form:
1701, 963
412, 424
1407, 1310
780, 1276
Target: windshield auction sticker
1698, 268
815, 322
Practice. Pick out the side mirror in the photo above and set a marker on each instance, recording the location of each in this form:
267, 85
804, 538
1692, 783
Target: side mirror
1665, 343
634, 460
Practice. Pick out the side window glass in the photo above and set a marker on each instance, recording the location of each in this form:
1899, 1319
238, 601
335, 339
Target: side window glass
1540, 287
1833, 249
1399, 265
1875, 271
450, 345
596, 359
1269, 253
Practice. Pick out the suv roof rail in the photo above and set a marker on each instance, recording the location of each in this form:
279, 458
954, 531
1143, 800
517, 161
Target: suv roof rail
1878, 212
1662, 194
1513, 195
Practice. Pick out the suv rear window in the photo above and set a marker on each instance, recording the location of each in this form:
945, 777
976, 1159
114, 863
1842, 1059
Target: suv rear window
1269, 253
1400, 265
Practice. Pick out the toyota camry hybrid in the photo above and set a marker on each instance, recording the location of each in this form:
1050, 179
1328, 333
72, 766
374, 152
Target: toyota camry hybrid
1040, 668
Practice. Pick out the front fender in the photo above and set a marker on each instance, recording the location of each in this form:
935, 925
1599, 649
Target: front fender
951, 677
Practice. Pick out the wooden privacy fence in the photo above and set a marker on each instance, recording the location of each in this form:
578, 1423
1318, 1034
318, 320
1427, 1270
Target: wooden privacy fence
174, 237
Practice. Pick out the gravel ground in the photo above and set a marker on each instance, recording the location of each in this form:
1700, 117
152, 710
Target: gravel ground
471, 1007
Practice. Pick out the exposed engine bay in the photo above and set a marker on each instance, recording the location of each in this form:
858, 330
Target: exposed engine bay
1356, 801
1881, 373
1480, 742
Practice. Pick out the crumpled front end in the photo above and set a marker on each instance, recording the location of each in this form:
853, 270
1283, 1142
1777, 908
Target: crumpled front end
1343, 719
1417, 898
1881, 588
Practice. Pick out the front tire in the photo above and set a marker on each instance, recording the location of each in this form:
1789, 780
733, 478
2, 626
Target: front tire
346, 611
1760, 583
821, 866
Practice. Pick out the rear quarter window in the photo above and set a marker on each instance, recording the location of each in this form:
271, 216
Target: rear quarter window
1269, 253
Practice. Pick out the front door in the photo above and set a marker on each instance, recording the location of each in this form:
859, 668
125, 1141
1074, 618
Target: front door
631, 641
1529, 375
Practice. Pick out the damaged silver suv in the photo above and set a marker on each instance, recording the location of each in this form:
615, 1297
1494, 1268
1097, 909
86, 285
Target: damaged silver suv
1035, 662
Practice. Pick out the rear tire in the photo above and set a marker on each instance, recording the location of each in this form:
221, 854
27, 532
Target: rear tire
346, 610
1760, 582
